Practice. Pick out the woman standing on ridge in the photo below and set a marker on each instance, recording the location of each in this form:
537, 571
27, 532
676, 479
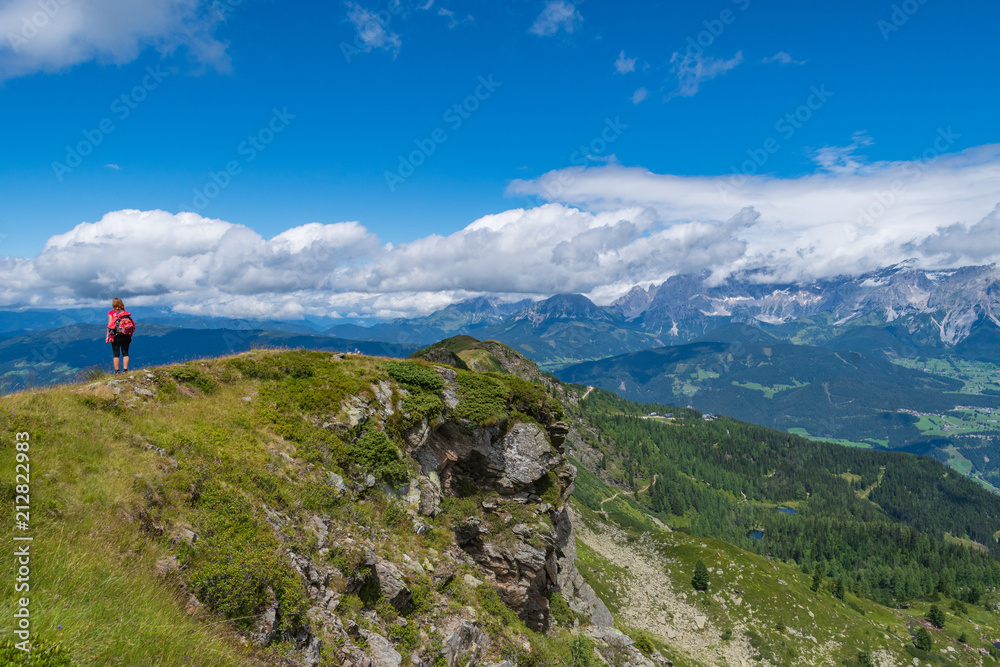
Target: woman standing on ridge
120, 330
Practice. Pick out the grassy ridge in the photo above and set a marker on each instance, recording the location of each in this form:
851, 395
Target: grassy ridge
93, 581
203, 479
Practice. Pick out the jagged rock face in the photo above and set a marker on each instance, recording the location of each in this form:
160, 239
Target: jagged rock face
635, 302
381, 651
440, 355
577, 592
521, 572
944, 304
524, 546
564, 306
392, 588
516, 461
523, 566
463, 645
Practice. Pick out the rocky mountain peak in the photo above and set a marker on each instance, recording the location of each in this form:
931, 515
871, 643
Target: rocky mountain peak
565, 306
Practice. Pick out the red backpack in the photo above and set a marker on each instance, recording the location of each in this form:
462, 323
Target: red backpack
124, 324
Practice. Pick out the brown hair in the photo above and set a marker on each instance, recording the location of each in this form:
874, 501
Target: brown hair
117, 304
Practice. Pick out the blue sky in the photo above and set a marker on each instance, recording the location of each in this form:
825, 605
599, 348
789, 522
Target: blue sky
311, 104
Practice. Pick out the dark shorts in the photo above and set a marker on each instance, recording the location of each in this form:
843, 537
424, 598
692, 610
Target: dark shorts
120, 344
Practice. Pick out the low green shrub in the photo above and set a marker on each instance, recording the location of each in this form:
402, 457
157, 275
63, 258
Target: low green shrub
42, 654
422, 405
500, 614
532, 399
238, 567
376, 453
414, 375
195, 377
560, 611
582, 652
295, 364
643, 642
406, 637
548, 489
482, 399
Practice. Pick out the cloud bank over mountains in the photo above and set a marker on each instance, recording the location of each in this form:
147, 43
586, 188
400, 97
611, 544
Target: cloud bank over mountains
600, 231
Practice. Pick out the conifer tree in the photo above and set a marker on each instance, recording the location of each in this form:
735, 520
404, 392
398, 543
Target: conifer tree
700, 580
838, 589
936, 616
817, 578
923, 639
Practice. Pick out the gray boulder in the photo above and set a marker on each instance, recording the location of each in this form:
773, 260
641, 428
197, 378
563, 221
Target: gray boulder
523, 456
380, 651
463, 646
392, 586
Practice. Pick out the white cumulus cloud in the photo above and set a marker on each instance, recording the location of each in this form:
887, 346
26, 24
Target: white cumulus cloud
605, 229
55, 35
156, 255
842, 221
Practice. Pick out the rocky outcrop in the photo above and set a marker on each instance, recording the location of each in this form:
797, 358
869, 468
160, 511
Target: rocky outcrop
463, 645
380, 651
575, 590
524, 543
391, 586
442, 355
519, 537
521, 458
513, 361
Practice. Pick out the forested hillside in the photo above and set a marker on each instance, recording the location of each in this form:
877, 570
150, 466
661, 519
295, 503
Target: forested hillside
890, 526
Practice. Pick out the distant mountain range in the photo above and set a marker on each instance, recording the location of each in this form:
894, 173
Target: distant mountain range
901, 310
59, 355
14, 322
466, 317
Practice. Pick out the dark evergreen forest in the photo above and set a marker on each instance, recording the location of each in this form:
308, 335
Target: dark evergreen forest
884, 523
